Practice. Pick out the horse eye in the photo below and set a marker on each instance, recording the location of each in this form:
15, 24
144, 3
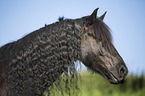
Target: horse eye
92, 35
101, 53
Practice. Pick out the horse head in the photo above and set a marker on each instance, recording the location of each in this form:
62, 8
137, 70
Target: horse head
98, 52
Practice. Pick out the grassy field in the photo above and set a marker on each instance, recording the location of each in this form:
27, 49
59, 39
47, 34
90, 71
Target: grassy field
96, 85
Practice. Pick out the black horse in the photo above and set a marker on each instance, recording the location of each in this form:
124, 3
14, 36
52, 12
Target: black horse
31, 64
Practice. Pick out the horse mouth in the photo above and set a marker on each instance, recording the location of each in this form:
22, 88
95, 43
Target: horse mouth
112, 78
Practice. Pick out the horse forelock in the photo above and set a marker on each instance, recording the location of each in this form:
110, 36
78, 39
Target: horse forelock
102, 31
103, 34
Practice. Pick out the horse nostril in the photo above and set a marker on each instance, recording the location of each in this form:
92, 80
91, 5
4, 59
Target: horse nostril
122, 74
122, 71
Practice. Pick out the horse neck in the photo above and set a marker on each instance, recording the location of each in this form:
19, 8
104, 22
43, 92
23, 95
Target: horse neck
44, 55
59, 39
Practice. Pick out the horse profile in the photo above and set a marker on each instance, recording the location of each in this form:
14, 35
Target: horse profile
31, 64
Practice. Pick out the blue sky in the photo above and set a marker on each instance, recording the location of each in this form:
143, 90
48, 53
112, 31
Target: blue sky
126, 19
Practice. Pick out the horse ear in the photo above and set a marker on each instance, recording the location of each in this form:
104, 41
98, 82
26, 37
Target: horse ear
102, 17
94, 14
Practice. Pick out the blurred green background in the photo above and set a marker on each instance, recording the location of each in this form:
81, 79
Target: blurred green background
95, 85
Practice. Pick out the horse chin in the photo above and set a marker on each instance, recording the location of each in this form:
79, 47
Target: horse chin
111, 78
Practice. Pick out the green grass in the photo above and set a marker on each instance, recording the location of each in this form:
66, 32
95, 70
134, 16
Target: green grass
96, 85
